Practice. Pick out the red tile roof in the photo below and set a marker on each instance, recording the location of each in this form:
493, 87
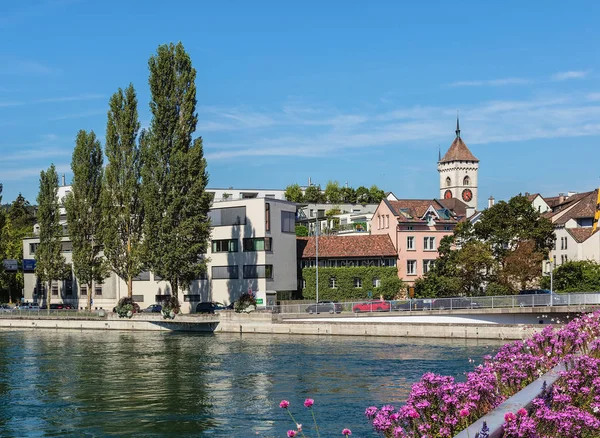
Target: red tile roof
580, 234
585, 207
458, 152
374, 245
414, 209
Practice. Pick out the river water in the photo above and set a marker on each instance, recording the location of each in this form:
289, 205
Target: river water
91, 383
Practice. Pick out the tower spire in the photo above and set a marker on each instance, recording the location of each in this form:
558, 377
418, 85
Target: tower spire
439, 153
457, 126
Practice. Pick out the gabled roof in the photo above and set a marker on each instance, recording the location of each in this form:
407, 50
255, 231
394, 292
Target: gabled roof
374, 245
585, 207
530, 198
458, 152
580, 234
414, 210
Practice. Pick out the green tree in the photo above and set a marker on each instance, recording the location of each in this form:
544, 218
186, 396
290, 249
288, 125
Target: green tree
50, 263
363, 196
3, 238
575, 276
301, 231
376, 195
333, 192
314, 195
293, 193
174, 174
348, 195
19, 223
84, 211
523, 265
475, 266
123, 209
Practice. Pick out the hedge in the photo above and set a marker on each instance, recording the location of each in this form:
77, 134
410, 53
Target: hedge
390, 284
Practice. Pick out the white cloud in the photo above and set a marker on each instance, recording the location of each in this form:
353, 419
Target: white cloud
573, 74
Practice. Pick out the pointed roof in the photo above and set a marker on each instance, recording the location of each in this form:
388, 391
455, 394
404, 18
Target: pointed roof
458, 149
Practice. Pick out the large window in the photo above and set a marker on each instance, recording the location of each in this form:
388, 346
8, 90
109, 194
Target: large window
225, 272
54, 288
466, 181
258, 271
225, 245
411, 267
257, 244
288, 222
98, 290
220, 217
429, 243
410, 243
427, 265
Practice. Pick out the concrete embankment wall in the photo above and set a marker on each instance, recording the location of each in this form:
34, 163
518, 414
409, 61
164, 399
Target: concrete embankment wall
230, 322
263, 323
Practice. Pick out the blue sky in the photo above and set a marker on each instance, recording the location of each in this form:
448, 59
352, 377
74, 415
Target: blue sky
363, 92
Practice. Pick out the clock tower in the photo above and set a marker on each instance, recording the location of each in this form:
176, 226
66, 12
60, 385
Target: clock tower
458, 172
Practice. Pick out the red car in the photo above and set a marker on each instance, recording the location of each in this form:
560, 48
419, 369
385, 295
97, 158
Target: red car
372, 306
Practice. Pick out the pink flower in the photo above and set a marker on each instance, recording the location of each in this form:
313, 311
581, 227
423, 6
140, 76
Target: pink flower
509, 416
299, 427
291, 433
346, 432
522, 412
309, 402
464, 412
284, 404
412, 413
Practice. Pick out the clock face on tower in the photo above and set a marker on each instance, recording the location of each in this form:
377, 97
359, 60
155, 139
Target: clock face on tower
467, 195
448, 194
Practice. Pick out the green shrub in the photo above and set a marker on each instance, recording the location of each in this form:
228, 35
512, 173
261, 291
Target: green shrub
171, 307
245, 302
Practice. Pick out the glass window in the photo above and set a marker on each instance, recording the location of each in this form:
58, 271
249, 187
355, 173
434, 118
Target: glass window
267, 216
448, 182
258, 271
376, 282
220, 217
225, 272
410, 242
429, 243
258, 244
54, 288
466, 181
98, 289
225, 245
357, 282
288, 222
33, 248
411, 267
66, 247
427, 265
142, 276
83, 290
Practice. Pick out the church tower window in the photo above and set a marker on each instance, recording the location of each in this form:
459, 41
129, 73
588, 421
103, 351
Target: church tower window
466, 181
448, 182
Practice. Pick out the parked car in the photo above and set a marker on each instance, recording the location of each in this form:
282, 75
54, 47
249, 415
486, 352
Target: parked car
5, 308
221, 306
422, 304
539, 297
27, 306
455, 303
57, 306
324, 307
372, 306
206, 307
153, 308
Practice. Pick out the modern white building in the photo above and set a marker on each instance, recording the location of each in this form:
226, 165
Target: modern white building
252, 248
231, 194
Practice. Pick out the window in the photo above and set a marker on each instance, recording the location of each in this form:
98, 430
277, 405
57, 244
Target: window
220, 217
54, 289
225, 272
357, 282
554, 245
258, 271
554, 260
427, 265
267, 216
410, 228
33, 248
376, 282
447, 228
387, 220
332, 282
288, 222
142, 276
138, 298
379, 222
192, 298
429, 243
410, 243
66, 247
566, 243
258, 244
411, 267
225, 245
303, 283
83, 290
448, 182
98, 290
466, 181
562, 243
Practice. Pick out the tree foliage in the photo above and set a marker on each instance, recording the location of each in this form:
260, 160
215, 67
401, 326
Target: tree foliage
293, 193
50, 263
174, 175
575, 276
301, 231
84, 211
522, 265
123, 209
333, 193
314, 195
348, 195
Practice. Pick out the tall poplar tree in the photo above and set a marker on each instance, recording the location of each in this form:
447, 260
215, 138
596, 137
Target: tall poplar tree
50, 263
123, 209
84, 211
174, 177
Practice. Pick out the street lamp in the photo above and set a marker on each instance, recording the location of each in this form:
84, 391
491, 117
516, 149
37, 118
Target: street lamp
550, 267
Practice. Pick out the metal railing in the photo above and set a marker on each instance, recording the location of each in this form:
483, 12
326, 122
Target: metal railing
27, 313
441, 304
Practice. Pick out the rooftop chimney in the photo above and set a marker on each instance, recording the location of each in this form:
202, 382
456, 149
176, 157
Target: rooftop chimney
561, 198
491, 202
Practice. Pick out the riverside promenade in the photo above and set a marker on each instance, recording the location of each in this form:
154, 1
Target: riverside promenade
461, 327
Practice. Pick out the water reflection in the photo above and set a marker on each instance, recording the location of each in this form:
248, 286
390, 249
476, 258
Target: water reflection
67, 383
